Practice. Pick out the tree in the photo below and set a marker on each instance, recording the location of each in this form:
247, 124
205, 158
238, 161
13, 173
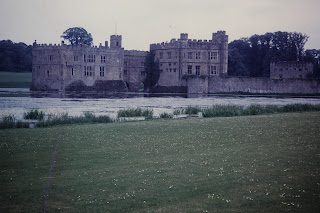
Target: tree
77, 35
253, 55
152, 70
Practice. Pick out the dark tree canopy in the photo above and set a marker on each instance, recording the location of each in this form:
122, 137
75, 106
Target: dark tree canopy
77, 35
15, 57
152, 70
252, 56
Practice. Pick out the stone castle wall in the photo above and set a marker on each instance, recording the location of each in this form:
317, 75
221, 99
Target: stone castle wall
252, 85
134, 68
184, 56
57, 66
291, 69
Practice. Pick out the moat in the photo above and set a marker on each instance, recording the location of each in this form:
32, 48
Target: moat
14, 101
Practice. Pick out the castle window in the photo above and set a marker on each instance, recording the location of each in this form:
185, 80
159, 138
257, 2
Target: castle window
189, 69
125, 63
213, 55
174, 70
161, 55
300, 69
170, 70
48, 73
176, 54
169, 55
117, 46
125, 72
50, 57
213, 70
102, 71
103, 59
160, 64
189, 55
280, 76
84, 58
72, 71
39, 67
75, 58
169, 64
90, 58
197, 70
198, 55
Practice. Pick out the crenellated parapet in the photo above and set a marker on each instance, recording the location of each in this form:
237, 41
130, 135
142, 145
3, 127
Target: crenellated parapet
217, 39
135, 53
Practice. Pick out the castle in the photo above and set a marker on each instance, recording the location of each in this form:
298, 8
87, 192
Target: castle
68, 67
186, 65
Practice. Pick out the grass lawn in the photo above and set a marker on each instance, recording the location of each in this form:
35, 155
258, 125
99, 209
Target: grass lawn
15, 80
267, 163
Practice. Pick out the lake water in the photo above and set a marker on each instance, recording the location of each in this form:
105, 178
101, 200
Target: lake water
14, 101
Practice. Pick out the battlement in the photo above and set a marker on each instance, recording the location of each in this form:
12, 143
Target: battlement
135, 53
285, 64
217, 38
63, 46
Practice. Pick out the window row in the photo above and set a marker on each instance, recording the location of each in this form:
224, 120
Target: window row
91, 58
212, 70
191, 55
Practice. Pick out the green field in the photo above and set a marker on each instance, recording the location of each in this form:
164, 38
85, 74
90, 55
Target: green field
15, 80
266, 163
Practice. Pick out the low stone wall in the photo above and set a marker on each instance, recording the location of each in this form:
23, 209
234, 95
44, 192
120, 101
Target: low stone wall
252, 85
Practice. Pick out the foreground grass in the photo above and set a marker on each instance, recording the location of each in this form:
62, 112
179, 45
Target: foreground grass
15, 80
267, 163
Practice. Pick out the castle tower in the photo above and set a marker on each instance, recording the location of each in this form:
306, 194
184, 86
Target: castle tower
221, 38
115, 41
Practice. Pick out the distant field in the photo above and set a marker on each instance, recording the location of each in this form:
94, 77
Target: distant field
267, 163
15, 80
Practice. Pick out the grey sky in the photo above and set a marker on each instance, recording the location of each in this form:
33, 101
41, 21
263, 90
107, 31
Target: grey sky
142, 22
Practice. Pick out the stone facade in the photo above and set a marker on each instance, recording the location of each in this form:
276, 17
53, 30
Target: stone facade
217, 84
291, 69
183, 57
134, 68
61, 67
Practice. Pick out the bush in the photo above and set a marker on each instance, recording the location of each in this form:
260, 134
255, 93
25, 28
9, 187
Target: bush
7, 122
178, 111
223, 111
166, 115
192, 110
34, 114
254, 109
135, 112
87, 117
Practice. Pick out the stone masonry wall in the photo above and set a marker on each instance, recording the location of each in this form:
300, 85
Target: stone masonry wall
252, 85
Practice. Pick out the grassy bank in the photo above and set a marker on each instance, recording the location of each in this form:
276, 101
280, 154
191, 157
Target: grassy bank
15, 80
267, 163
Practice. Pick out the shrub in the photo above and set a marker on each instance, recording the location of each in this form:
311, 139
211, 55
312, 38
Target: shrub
223, 111
34, 114
135, 112
166, 115
7, 122
254, 109
192, 110
63, 118
178, 111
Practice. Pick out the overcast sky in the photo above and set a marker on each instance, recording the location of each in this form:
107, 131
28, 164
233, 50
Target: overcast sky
141, 22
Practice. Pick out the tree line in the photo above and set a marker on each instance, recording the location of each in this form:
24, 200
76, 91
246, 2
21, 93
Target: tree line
15, 57
252, 56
